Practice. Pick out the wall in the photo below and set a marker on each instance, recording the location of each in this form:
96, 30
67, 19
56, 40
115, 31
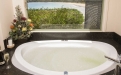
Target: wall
7, 13
1, 38
6, 17
111, 15
117, 26
114, 16
111, 19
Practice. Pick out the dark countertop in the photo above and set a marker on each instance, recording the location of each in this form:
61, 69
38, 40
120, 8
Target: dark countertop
111, 38
13, 70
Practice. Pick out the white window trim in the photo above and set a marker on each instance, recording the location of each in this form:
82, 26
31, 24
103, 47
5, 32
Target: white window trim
105, 15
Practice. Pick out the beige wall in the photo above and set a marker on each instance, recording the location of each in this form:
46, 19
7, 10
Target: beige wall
114, 16
1, 38
111, 16
6, 17
7, 12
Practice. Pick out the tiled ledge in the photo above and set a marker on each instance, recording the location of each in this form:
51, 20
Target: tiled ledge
72, 35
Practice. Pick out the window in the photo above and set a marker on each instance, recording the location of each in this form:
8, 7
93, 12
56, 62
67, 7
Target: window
65, 14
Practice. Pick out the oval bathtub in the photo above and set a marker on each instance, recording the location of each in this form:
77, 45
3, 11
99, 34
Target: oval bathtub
53, 57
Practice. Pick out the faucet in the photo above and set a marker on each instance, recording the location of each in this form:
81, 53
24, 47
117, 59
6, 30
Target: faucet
118, 66
64, 40
65, 72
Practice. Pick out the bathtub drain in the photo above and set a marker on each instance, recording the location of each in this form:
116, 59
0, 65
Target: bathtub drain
65, 73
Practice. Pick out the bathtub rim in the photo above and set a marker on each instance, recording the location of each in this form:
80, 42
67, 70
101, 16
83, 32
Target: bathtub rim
85, 72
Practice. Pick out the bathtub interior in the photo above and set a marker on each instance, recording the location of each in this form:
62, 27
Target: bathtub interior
64, 58
104, 47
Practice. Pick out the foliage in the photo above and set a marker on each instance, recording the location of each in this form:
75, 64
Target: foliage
21, 26
56, 16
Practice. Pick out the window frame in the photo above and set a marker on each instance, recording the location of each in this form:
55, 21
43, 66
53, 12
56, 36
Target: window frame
104, 19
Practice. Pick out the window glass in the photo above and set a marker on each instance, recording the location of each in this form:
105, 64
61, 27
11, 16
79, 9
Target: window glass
70, 14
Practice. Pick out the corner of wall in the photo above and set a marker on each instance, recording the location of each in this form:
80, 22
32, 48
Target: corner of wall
1, 39
22, 5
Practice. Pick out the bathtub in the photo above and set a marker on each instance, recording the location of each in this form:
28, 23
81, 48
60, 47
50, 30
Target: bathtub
56, 56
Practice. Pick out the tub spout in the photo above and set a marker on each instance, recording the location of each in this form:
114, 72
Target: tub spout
65, 73
64, 40
117, 61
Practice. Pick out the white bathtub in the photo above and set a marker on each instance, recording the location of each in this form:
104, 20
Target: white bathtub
19, 62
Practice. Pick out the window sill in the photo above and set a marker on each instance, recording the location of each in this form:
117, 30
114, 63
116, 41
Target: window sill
66, 30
